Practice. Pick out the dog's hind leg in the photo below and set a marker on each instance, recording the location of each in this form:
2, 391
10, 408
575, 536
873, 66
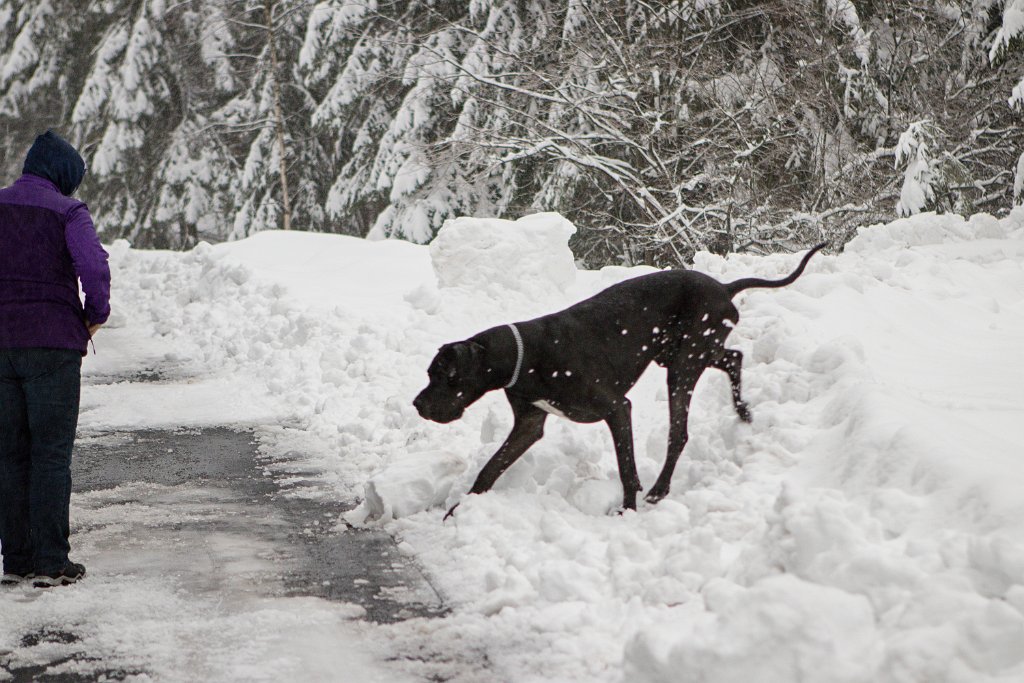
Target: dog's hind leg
620, 422
732, 363
681, 381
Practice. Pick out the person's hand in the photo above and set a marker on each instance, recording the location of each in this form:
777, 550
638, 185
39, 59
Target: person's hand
93, 329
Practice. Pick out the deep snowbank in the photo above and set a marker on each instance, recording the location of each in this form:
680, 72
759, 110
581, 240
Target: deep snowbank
865, 527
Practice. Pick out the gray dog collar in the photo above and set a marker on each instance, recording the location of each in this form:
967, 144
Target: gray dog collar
519, 355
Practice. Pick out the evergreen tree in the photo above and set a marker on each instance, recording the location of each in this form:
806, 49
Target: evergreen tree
125, 109
38, 72
348, 69
156, 176
284, 172
659, 128
395, 180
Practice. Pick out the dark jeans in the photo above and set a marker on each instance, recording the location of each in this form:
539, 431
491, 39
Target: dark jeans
39, 394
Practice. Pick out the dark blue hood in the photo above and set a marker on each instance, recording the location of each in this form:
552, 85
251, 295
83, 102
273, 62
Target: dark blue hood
52, 157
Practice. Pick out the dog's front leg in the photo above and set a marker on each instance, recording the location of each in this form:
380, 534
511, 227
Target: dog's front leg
620, 422
527, 429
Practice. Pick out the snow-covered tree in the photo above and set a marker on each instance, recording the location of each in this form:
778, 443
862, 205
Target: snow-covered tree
281, 179
126, 106
395, 180
659, 128
913, 150
38, 72
156, 175
195, 181
345, 65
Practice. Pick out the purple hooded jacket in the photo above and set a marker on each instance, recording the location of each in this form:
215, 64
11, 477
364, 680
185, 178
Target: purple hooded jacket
48, 243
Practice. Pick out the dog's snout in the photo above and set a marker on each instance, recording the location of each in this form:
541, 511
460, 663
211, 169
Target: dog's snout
419, 404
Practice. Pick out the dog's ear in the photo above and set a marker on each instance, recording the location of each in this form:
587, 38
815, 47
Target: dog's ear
467, 354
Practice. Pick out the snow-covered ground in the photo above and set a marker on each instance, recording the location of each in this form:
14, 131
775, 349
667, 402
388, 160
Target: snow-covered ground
867, 526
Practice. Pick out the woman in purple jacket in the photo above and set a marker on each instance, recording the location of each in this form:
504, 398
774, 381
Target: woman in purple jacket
47, 244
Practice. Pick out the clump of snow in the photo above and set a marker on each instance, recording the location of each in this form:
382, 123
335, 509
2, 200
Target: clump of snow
408, 484
530, 256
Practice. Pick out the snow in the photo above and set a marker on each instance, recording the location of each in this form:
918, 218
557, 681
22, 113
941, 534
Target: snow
781, 629
866, 526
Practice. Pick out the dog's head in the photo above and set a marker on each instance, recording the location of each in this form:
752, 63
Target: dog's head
458, 377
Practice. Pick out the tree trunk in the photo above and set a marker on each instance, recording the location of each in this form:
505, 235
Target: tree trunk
275, 84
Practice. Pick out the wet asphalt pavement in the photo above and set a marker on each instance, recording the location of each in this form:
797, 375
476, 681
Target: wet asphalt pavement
217, 477
314, 557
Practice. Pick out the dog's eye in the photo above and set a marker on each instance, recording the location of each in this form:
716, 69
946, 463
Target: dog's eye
452, 376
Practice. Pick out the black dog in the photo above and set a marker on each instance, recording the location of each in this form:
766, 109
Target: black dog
580, 362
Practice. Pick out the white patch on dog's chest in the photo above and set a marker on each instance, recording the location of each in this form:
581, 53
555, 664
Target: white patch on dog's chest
548, 408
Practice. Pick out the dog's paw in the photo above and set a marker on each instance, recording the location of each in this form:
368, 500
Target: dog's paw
744, 412
655, 495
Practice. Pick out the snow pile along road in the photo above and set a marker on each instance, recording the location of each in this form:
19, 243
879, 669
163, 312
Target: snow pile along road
867, 526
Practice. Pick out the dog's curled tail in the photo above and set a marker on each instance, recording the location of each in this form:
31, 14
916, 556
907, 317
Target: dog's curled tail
738, 286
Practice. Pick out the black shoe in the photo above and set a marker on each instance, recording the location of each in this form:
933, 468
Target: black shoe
70, 574
14, 578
